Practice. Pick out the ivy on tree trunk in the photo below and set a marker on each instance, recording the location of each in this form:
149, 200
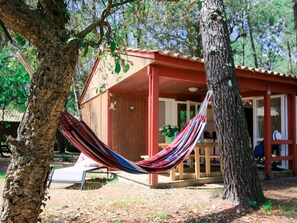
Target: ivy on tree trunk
239, 170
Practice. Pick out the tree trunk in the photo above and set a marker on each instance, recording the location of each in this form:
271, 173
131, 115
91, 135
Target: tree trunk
295, 20
239, 170
290, 58
26, 181
295, 17
252, 41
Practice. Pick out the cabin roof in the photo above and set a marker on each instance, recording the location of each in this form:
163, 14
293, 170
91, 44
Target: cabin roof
11, 116
184, 65
197, 59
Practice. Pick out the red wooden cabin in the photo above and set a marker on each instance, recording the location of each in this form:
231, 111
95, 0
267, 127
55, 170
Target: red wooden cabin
126, 110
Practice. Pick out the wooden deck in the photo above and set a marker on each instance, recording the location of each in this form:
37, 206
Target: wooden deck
215, 181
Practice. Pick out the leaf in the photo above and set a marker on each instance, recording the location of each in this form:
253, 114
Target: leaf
21, 41
112, 47
126, 68
117, 68
86, 50
199, 5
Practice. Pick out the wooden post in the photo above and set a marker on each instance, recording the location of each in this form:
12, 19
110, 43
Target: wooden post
267, 132
197, 162
207, 160
153, 117
292, 131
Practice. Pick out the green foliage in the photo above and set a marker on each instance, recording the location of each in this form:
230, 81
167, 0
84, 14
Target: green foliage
199, 2
2, 175
21, 41
267, 206
272, 27
168, 130
201, 220
252, 203
160, 217
14, 81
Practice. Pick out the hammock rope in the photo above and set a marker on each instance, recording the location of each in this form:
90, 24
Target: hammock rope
85, 140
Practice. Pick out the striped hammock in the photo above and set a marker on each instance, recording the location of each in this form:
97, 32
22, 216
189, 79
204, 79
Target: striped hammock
84, 139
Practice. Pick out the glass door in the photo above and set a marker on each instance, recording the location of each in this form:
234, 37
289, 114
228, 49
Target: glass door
278, 122
185, 111
166, 115
192, 109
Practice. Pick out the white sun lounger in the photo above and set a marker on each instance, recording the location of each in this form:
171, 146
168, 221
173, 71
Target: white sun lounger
72, 175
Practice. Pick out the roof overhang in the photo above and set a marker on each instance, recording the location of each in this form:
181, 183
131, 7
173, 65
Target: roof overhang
178, 73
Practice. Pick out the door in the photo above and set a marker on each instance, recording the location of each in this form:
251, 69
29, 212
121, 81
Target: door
278, 113
185, 111
166, 115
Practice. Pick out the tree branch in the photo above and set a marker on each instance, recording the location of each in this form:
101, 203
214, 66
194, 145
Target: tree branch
55, 11
101, 22
21, 19
6, 33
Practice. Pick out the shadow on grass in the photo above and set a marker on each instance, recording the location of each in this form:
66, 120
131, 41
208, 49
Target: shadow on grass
228, 215
280, 183
272, 207
94, 183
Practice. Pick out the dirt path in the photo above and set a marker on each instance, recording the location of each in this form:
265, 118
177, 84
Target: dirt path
118, 202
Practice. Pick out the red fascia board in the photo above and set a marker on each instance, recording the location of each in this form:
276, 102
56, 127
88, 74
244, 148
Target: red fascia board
182, 74
261, 85
252, 94
266, 77
146, 55
89, 80
179, 62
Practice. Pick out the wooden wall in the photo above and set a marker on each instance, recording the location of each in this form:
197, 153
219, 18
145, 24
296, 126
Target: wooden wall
128, 127
95, 114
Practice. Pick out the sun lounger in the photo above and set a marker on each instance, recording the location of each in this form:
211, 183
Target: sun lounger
73, 175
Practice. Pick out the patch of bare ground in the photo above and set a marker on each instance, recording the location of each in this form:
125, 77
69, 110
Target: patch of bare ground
115, 201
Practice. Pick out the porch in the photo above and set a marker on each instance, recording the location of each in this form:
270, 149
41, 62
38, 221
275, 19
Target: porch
164, 180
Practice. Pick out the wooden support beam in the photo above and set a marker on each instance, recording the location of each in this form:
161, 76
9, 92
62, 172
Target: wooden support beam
267, 132
291, 107
153, 117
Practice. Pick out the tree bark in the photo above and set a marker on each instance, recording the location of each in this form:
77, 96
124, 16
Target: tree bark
26, 180
239, 170
295, 20
295, 17
57, 47
290, 58
27, 173
252, 41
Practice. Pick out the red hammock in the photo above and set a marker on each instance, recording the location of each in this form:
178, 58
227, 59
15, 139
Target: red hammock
84, 139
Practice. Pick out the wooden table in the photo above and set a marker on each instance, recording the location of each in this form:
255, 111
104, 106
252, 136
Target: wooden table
179, 167
206, 147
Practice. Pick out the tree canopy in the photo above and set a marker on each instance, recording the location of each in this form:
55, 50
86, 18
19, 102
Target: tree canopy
62, 34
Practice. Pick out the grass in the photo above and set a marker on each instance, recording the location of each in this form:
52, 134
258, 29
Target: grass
159, 217
289, 210
2, 175
267, 206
